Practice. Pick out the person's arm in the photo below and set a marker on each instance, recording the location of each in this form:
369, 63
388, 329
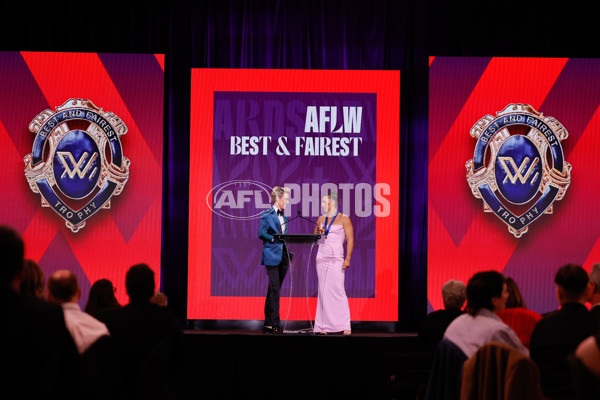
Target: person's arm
318, 226
263, 229
349, 231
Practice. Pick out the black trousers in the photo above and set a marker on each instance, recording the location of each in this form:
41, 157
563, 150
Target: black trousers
276, 274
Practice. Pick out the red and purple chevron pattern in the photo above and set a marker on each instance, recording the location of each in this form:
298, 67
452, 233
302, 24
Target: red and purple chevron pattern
462, 239
129, 85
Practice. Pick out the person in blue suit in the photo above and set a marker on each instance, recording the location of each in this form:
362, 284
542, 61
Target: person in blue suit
274, 255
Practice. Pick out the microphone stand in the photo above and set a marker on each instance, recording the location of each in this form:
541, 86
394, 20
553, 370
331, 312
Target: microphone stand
311, 329
298, 216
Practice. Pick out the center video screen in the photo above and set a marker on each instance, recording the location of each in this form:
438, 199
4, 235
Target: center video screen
313, 132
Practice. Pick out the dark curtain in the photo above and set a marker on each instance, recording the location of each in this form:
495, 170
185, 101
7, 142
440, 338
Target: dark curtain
317, 34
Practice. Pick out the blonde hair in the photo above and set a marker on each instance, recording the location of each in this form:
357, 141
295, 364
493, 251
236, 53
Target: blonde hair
278, 191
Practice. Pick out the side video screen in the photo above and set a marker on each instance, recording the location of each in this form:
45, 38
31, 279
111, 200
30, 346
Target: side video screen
513, 171
81, 161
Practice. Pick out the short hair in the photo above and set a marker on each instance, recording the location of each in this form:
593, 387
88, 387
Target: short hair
572, 279
454, 294
481, 288
515, 298
594, 276
333, 196
63, 285
33, 281
12, 250
278, 191
139, 282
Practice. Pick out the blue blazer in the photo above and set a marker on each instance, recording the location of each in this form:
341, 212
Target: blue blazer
272, 251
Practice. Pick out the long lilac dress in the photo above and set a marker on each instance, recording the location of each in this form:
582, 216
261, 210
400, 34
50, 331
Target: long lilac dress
333, 312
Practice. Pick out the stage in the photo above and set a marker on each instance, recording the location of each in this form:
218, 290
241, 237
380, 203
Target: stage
232, 364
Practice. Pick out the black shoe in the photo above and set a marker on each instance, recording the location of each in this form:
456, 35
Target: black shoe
276, 330
267, 330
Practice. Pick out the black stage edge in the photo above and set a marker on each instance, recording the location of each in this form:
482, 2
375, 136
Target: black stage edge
255, 325
236, 364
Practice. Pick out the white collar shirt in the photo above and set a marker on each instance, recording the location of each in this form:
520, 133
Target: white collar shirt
469, 332
84, 328
281, 221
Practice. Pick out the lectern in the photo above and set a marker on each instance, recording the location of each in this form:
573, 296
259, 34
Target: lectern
305, 238
298, 237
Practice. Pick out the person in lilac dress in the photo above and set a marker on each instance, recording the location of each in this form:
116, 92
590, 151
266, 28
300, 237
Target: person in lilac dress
333, 311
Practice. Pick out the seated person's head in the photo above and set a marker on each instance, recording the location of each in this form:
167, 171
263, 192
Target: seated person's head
139, 282
63, 287
594, 284
571, 284
515, 298
486, 290
11, 252
102, 296
33, 281
454, 294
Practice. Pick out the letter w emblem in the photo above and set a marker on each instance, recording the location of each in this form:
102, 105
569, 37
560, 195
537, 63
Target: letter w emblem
64, 155
504, 161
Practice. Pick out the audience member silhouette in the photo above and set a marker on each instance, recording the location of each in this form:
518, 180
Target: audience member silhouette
63, 289
498, 371
39, 355
146, 336
594, 292
101, 298
454, 294
586, 368
516, 315
33, 280
559, 333
486, 295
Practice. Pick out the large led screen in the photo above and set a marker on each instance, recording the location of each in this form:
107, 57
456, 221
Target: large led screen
81, 161
312, 132
513, 171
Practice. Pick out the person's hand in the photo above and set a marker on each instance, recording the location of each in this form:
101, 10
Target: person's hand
346, 264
